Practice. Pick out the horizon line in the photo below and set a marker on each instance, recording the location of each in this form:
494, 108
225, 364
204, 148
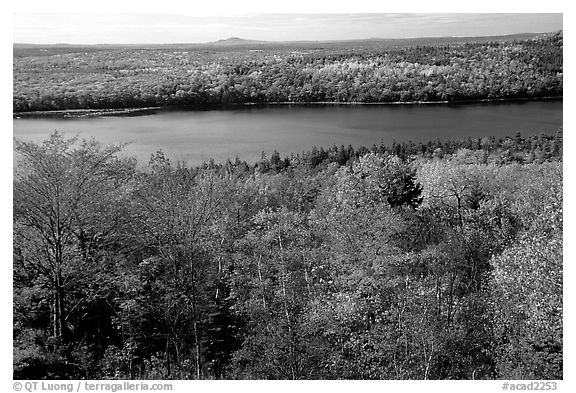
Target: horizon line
250, 40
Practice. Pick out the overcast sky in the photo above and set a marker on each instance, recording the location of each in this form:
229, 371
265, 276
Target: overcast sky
166, 28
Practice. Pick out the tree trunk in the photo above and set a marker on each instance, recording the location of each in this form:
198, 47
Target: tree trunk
197, 348
219, 270
195, 316
262, 288
59, 317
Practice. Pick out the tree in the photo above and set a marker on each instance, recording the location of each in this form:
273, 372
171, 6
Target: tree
274, 280
180, 209
527, 283
527, 299
67, 195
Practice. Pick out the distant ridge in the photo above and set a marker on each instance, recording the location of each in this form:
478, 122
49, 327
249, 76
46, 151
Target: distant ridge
232, 41
236, 43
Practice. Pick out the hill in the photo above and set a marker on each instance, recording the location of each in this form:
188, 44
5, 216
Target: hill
236, 43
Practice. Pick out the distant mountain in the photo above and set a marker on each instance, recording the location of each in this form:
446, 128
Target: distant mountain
235, 41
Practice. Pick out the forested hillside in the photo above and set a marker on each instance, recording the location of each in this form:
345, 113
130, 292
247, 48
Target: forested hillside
140, 77
438, 260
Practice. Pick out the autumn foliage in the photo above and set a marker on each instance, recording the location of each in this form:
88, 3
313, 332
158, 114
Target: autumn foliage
429, 261
136, 78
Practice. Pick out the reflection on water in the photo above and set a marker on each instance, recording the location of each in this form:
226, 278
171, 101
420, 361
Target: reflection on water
195, 136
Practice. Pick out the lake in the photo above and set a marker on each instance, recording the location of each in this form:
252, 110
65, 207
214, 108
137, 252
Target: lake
246, 131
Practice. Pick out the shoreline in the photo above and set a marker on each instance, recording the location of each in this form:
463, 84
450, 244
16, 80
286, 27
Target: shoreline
78, 113
82, 113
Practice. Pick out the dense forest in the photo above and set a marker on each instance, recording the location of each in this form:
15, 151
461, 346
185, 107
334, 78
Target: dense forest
438, 260
141, 77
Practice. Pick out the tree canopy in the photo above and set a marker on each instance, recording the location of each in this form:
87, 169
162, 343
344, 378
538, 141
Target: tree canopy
137, 78
439, 260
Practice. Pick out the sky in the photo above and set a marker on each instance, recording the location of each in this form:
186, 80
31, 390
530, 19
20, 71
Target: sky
154, 28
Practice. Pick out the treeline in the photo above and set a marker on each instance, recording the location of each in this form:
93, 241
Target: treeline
440, 265
496, 150
107, 79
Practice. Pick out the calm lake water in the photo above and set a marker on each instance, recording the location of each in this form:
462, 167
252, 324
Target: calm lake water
195, 136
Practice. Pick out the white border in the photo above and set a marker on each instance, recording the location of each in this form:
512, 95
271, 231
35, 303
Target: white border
296, 6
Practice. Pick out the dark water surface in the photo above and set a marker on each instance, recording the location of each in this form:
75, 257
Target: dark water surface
195, 136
